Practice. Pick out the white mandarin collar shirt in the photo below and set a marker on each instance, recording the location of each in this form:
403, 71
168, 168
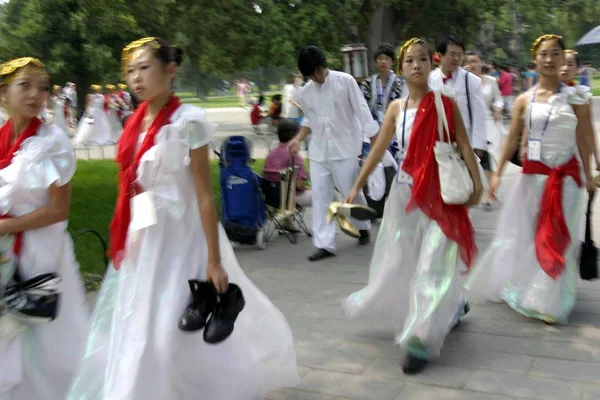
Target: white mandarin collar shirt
455, 87
338, 116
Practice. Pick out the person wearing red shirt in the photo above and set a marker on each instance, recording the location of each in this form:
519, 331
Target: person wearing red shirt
505, 82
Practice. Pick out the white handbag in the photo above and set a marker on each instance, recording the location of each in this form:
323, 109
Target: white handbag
456, 184
376, 183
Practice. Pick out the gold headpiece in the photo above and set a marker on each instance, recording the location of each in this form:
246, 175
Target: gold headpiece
110, 86
8, 69
96, 88
133, 51
122, 86
406, 48
55, 87
542, 39
569, 52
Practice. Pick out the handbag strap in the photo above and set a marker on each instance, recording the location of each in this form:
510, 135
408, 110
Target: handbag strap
588, 220
441, 120
469, 102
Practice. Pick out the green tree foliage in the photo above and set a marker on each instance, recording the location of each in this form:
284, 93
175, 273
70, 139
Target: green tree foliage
81, 40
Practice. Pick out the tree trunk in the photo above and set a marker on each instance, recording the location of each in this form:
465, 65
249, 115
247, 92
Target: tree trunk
382, 28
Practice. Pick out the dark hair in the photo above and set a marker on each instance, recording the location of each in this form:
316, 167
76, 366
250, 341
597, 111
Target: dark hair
405, 48
261, 99
485, 69
310, 59
494, 64
276, 97
445, 41
385, 49
574, 53
168, 53
474, 53
286, 130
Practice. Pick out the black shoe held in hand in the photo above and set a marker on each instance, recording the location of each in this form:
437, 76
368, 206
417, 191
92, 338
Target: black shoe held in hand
220, 325
204, 300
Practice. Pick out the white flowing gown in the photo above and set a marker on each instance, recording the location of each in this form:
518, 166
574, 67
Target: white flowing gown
509, 270
413, 275
40, 363
135, 350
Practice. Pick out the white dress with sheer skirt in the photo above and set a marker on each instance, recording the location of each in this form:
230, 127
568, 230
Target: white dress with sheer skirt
135, 350
413, 283
59, 113
509, 270
112, 113
40, 362
94, 127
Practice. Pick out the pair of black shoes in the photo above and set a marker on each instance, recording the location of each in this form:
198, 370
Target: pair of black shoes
214, 312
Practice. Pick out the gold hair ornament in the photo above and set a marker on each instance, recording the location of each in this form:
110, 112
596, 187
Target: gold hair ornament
543, 39
134, 49
570, 52
110, 87
406, 48
8, 70
122, 86
96, 88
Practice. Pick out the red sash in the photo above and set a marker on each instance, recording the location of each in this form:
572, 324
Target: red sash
128, 161
7, 152
421, 165
552, 234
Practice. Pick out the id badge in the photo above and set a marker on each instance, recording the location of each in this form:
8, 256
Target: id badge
402, 176
143, 211
534, 149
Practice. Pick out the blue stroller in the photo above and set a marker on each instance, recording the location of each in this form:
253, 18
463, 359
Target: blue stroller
242, 204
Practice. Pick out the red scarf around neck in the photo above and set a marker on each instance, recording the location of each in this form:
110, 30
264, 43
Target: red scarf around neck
421, 165
7, 152
128, 161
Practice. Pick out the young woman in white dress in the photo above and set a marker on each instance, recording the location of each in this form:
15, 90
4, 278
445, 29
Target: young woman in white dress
567, 76
493, 112
36, 166
532, 262
94, 127
112, 109
58, 114
423, 244
137, 349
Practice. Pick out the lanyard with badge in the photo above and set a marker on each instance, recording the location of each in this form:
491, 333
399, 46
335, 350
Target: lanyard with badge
534, 145
403, 177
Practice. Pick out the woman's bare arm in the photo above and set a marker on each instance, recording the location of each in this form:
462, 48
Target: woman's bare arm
55, 211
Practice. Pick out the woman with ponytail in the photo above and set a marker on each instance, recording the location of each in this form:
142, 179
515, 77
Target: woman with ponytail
423, 243
151, 339
40, 342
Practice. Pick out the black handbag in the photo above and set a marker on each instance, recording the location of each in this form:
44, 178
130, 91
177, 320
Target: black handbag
588, 261
35, 300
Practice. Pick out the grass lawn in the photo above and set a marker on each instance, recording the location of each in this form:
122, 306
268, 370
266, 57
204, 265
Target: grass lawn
92, 206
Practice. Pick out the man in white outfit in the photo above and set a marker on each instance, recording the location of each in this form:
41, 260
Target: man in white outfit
467, 90
337, 115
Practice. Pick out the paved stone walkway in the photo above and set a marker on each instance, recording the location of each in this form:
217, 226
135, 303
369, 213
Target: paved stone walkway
495, 354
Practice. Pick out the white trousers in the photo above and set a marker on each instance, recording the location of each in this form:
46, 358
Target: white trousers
304, 199
325, 178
